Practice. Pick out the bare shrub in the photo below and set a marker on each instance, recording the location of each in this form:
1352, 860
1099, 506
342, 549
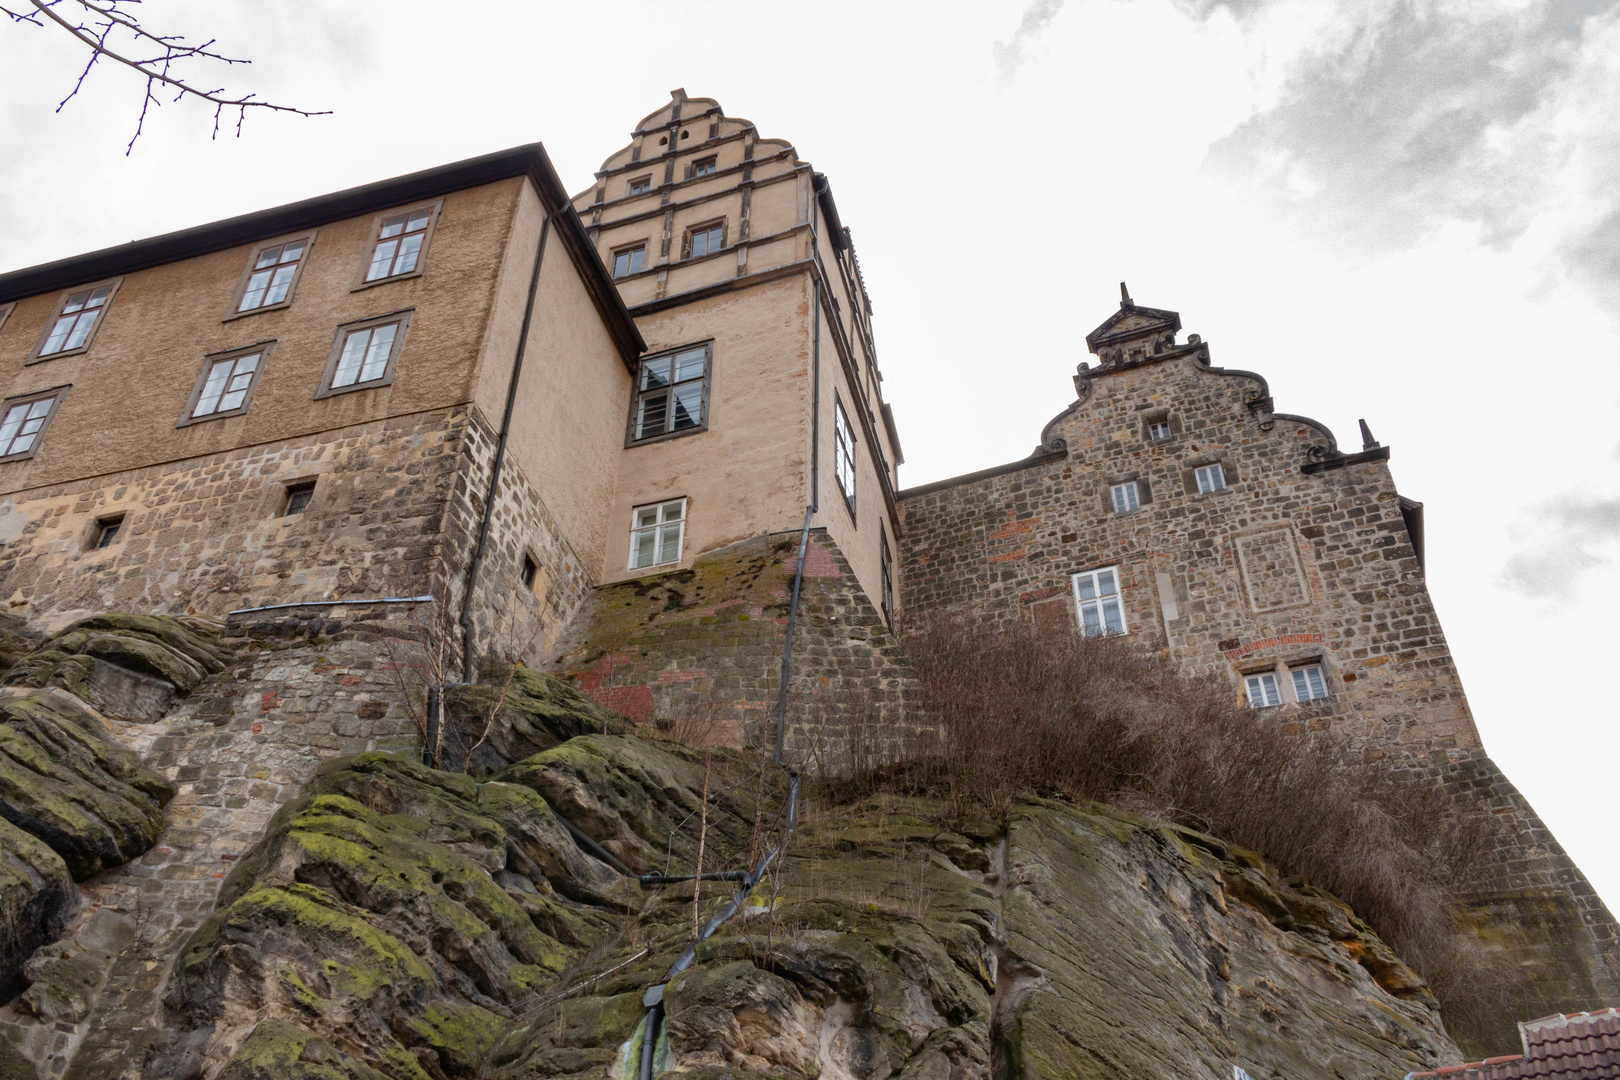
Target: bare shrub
1022, 713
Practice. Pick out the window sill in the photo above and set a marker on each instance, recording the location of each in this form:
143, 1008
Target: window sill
192, 421
362, 286
375, 384
631, 444
80, 351
283, 306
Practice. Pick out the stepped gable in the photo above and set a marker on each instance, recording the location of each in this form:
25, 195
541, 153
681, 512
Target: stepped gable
1572, 1046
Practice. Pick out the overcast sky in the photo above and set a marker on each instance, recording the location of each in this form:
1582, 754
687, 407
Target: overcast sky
1403, 210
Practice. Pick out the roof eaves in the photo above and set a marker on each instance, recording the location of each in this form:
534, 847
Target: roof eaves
528, 160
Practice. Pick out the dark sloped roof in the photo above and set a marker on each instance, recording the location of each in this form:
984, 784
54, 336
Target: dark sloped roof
1568, 1046
530, 160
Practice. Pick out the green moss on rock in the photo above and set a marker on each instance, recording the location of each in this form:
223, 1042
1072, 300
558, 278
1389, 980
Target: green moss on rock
36, 897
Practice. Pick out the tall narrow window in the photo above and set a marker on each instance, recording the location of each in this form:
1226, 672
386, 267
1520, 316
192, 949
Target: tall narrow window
704, 239
1125, 497
1262, 690
23, 424
844, 453
656, 533
225, 385
364, 354
1309, 685
271, 275
397, 249
629, 260
1210, 478
1096, 595
74, 324
886, 575
530, 569
672, 391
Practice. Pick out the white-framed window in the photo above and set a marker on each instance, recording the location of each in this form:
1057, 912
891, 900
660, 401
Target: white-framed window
704, 239
629, 260
1124, 497
271, 275
672, 393
1159, 430
656, 533
398, 245
705, 166
844, 453
639, 186
225, 385
1098, 600
1210, 478
1310, 683
74, 324
1262, 689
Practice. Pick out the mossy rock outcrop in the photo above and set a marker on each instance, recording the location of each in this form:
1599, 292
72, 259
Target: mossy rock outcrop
16, 640
63, 780
399, 909
36, 897
129, 666
490, 726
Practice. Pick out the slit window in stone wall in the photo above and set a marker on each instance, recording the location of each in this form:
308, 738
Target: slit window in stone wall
885, 575
672, 394
1124, 497
1262, 689
844, 453
107, 530
1210, 478
23, 423
364, 354
225, 385
78, 315
530, 569
630, 260
1309, 682
271, 275
298, 498
656, 534
1098, 600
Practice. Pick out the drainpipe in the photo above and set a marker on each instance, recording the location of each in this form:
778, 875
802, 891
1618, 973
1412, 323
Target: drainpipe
500, 454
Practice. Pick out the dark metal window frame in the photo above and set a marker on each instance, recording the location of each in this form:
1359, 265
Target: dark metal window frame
434, 207
637, 394
403, 318
99, 538
37, 357
308, 237
57, 393
293, 489
885, 576
263, 348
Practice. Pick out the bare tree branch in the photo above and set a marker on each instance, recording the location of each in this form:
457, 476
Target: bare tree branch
107, 18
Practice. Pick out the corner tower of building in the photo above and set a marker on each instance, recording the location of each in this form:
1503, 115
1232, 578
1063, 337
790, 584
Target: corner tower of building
760, 394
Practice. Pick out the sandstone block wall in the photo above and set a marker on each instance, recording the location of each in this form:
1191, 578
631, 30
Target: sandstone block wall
702, 649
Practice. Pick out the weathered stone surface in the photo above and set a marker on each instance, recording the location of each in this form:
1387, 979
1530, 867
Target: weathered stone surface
36, 898
16, 640
282, 1051
63, 780
371, 914
519, 714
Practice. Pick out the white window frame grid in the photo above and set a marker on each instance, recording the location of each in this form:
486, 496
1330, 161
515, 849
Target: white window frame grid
84, 314
714, 239
676, 389
844, 453
288, 271
30, 412
1210, 478
1305, 689
1100, 601
707, 166
234, 385
1263, 689
631, 190
633, 265
1125, 497
1155, 427
659, 529
401, 320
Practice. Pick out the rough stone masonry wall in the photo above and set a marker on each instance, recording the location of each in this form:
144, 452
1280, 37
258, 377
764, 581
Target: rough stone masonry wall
701, 649
311, 684
1283, 566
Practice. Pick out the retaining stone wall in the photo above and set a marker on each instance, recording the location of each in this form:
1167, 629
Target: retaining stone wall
701, 649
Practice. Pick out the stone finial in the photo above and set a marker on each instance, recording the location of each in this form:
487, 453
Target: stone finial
1125, 296
1367, 440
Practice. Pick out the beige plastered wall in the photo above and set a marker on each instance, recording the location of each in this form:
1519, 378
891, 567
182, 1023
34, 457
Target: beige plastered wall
574, 392
131, 386
747, 474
